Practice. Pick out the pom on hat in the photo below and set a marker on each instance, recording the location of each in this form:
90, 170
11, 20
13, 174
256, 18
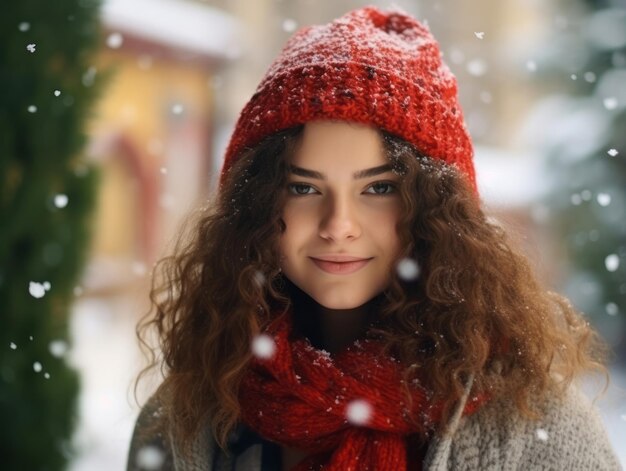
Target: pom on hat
371, 67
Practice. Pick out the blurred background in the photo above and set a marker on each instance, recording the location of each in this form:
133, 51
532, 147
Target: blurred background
113, 120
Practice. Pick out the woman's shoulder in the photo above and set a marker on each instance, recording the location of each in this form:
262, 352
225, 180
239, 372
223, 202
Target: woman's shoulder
154, 446
150, 446
568, 435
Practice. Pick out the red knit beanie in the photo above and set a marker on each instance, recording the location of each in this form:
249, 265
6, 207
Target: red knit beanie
369, 66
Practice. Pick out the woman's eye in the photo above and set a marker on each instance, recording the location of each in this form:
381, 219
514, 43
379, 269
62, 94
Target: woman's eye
383, 188
299, 188
379, 188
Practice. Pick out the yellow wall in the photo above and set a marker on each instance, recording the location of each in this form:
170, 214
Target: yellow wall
139, 99
116, 228
136, 125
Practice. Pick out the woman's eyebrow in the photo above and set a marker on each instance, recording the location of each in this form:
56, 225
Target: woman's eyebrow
368, 172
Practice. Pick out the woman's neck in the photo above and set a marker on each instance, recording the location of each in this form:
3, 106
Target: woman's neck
329, 329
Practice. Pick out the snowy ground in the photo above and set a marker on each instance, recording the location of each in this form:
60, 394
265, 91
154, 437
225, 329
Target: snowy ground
106, 354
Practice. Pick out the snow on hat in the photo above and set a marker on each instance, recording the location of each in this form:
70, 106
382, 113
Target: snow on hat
381, 68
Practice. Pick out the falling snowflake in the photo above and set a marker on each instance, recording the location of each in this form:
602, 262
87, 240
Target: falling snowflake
138, 268
167, 201
611, 309
89, 76
486, 97
57, 92
31, 47
358, 412
36, 290
24, 26
60, 200
259, 278
37, 367
540, 213
477, 67
32, 109
612, 152
150, 458
479, 34
610, 103
46, 375
611, 262
289, 25
408, 269
541, 434
263, 346
13, 346
576, 199
58, 348
604, 199
456, 56
177, 108
115, 40
589, 77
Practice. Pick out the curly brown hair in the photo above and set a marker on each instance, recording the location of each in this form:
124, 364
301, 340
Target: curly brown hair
476, 308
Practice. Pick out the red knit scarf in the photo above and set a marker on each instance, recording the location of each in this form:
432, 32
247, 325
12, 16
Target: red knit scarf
348, 411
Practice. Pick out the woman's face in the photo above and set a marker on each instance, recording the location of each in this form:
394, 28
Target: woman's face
342, 202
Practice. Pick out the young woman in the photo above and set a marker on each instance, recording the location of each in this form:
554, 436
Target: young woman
344, 304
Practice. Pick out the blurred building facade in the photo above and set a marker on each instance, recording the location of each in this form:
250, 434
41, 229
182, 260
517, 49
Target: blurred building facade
152, 131
152, 137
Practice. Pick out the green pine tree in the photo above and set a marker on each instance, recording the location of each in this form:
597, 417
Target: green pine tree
47, 192
588, 205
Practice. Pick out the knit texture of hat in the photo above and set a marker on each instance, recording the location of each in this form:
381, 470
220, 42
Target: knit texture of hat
372, 67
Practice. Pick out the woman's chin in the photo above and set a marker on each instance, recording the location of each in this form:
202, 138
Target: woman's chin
341, 302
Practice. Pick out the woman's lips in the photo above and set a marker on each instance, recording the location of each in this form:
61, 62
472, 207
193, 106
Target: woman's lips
340, 268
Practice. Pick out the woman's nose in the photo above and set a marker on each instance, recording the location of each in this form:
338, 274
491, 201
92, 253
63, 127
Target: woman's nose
340, 220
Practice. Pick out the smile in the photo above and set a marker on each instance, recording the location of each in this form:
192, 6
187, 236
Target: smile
340, 268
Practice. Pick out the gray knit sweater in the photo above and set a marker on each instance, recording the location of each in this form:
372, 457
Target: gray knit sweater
570, 436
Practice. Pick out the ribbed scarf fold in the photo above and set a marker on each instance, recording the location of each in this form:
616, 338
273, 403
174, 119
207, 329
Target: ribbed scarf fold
348, 411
